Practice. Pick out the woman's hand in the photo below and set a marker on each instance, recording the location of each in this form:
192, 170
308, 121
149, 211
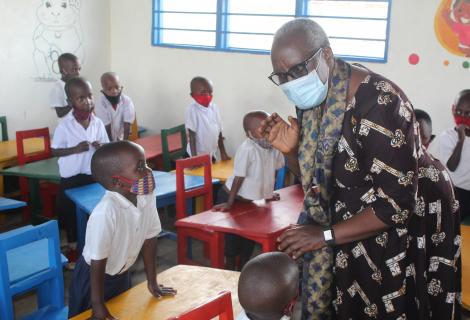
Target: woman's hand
301, 239
282, 135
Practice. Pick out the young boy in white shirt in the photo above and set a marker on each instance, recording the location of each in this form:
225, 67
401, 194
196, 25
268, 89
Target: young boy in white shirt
114, 108
268, 287
123, 223
452, 148
75, 140
203, 121
254, 175
69, 67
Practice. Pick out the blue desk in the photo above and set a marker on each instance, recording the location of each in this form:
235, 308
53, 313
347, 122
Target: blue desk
87, 197
8, 204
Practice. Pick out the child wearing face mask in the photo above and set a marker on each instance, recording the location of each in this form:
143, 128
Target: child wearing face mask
203, 122
253, 178
114, 108
452, 148
124, 223
75, 140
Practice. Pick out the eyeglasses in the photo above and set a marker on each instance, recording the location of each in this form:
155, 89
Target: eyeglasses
295, 72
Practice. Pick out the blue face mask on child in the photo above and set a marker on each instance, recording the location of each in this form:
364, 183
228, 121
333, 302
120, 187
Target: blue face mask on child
308, 91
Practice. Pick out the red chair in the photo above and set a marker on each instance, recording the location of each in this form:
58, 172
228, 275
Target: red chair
48, 190
219, 306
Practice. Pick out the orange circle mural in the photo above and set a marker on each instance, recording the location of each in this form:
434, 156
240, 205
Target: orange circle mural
452, 26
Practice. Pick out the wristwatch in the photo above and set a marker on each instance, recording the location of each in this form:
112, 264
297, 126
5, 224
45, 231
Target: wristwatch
329, 236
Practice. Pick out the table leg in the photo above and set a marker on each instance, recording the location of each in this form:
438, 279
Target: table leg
217, 250
34, 197
269, 245
81, 217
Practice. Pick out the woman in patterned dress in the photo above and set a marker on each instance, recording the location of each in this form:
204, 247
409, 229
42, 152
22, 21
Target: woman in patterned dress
356, 149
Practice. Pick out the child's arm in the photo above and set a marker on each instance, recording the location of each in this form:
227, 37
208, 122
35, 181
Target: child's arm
127, 131
223, 153
149, 250
236, 185
192, 143
63, 152
454, 159
108, 131
99, 309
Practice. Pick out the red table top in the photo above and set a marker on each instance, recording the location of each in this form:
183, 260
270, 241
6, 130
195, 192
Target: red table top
153, 144
256, 219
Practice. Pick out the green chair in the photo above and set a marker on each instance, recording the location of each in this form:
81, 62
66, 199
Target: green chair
3, 122
168, 156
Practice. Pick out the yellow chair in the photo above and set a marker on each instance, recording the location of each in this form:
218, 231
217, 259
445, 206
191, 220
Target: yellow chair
134, 134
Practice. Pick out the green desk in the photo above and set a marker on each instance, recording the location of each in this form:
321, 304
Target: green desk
40, 170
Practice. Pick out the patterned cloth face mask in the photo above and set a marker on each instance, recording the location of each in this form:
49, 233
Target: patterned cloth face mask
140, 187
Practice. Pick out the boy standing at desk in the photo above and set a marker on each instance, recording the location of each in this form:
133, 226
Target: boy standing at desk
203, 121
124, 222
75, 140
253, 178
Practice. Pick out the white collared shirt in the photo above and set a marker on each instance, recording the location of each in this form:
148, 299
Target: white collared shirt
117, 230
442, 148
258, 166
57, 97
124, 112
243, 316
68, 134
207, 125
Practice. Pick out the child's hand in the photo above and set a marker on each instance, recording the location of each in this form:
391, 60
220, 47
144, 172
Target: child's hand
82, 147
222, 207
159, 290
461, 131
96, 144
101, 312
275, 197
225, 157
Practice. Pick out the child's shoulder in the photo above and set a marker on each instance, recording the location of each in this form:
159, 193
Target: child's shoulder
126, 99
109, 205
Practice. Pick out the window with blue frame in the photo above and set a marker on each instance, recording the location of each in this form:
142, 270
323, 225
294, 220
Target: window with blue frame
358, 30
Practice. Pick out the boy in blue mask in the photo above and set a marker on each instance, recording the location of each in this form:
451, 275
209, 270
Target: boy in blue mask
253, 178
123, 223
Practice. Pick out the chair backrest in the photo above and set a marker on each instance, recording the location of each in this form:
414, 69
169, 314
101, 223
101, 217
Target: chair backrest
175, 154
220, 306
28, 134
206, 190
14, 255
281, 178
134, 134
3, 123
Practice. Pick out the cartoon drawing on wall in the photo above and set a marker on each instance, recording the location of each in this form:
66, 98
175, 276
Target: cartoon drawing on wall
58, 31
452, 26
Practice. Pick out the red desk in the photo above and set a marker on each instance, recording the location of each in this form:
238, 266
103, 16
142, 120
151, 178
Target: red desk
153, 145
259, 221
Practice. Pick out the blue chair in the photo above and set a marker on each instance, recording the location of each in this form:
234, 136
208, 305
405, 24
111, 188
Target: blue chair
30, 260
281, 178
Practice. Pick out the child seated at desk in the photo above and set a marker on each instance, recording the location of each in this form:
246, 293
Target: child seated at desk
203, 121
114, 108
253, 178
75, 140
123, 223
268, 287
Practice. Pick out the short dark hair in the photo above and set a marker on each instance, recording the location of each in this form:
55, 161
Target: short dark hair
77, 82
198, 79
462, 96
423, 115
251, 115
67, 57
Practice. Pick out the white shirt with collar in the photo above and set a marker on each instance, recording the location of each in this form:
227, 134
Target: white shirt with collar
57, 97
206, 124
442, 148
125, 112
117, 230
243, 316
68, 134
258, 166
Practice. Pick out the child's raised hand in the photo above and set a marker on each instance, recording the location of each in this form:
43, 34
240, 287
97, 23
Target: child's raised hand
160, 290
101, 312
461, 131
222, 207
282, 135
82, 147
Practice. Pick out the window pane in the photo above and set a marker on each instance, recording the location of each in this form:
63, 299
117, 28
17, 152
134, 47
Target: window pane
362, 9
256, 24
250, 41
358, 48
262, 6
353, 28
189, 21
189, 5
196, 38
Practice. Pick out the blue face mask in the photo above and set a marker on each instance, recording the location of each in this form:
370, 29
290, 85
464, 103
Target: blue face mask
308, 91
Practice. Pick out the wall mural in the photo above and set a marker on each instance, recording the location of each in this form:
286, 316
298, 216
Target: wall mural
452, 26
58, 31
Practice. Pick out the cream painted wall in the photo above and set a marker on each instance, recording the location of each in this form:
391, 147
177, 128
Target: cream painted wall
157, 78
23, 100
